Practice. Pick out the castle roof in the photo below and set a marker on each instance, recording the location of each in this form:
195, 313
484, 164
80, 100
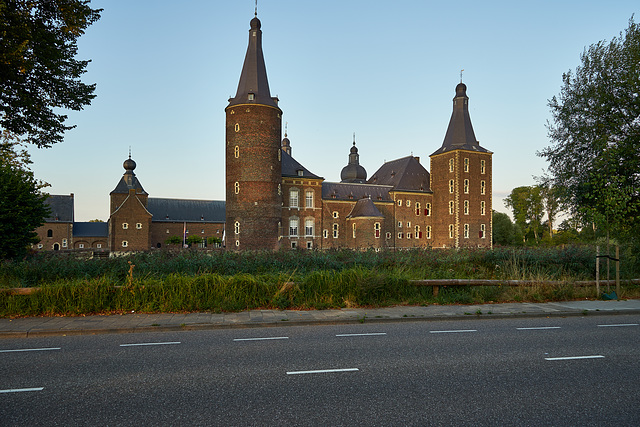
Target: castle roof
460, 135
61, 208
405, 174
353, 172
128, 180
185, 210
355, 191
90, 229
365, 208
292, 168
253, 87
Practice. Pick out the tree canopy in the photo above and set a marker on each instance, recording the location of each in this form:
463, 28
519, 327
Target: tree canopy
38, 71
594, 159
528, 209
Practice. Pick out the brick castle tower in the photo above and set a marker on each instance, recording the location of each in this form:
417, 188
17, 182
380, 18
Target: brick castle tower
253, 156
461, 183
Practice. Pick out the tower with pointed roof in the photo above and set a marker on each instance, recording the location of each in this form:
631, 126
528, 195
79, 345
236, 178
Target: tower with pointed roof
253, 156
461, 182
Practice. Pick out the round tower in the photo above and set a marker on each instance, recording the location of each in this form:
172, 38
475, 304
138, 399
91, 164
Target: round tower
253, 158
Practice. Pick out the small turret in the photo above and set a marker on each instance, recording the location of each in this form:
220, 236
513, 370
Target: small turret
353, 172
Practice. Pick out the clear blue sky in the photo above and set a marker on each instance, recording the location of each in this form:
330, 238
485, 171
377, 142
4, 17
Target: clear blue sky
386, 70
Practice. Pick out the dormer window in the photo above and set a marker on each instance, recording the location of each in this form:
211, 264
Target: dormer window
300, 172
252, 96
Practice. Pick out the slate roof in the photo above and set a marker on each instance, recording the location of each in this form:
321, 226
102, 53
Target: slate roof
90, 229
253, 79
129, 179
179, 210
353, 191
290, 167
405, 174
460, 135
364, 208
61, 208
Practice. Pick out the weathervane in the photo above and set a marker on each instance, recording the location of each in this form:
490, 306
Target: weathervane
460, 70
285, 124
256, 13
354, 139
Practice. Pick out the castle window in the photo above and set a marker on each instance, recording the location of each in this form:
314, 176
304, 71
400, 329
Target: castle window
167, 231
408, 235
482, 187
466, 164
388, 235
376, 230
427, 210
138, 226
236, 227
451, 207
335, 214
482, 208
279, 154
400, 202
482, 166
428, 231
64, 243
399, 224
408, 224
417, 208
400, 235
451, 187
466, 186
236, 187
418, 233
309, 245
40, 246
237, 127
202, 232
99, 245
466, 207
293, 198
408, 203
81, 245
279, 189
294, 245
482, 231
309, 225
300, 172
125, 244
237, 243
236, 151
466, 231
49, 233
335, 231
252, 96
293, 227
308, 196
353, 229
325, 233
451, 164
451, 231
125, 226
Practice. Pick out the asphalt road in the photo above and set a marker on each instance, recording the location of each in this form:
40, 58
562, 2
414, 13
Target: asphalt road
545, 371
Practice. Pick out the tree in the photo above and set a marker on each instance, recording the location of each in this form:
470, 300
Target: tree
23, 206
594, 158
551, 202
173, 240
194, 240
38, 70
503, 229
526, 205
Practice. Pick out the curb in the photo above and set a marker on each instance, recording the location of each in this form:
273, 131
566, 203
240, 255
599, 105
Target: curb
41, 333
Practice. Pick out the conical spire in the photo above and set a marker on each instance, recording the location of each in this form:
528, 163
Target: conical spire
460, 135
253, 87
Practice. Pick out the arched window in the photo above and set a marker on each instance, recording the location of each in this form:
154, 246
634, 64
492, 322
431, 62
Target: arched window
451, 231
451, 186
466, 231
376, 230
236, 187
308, 196
309, 225
451, 164
236, 151
293, 198
293, 227
236, 227
49, 233
417, 208
466, 186
451, 207
466, 207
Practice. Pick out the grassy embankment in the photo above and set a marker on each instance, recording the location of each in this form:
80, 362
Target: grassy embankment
225, 281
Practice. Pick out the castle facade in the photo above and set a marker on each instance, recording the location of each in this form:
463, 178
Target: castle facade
273, 202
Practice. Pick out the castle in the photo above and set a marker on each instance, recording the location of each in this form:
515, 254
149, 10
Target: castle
273, 202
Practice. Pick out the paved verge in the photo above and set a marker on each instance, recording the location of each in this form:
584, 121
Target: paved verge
134, 322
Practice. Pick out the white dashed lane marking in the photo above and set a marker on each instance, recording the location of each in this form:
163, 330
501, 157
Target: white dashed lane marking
20, 390
362, 335
322, 371
29, 349
149, 343
575, 357
538, 328
619, 324
453, 331
261, 339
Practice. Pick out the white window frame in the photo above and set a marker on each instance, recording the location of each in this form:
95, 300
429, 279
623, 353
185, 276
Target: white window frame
308, 198
294, 225
294, 198
309, 226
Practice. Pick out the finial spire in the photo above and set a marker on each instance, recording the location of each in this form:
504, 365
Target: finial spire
256, 12
354, 139
461, 71
129, 151
286, 124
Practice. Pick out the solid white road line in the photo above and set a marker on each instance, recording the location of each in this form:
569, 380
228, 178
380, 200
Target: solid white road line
261, 339
453, 331
149, 343
620, 324
18, 390
539, 327
29, 349
322, 371
574, 357
361, 335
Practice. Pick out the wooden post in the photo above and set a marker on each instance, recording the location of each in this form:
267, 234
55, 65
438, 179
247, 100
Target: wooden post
597, 271
618, 271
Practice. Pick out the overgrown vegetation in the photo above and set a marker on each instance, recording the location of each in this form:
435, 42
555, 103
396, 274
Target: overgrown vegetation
227, 281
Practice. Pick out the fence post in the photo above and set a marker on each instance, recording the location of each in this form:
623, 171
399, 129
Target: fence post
597, 271
618, 271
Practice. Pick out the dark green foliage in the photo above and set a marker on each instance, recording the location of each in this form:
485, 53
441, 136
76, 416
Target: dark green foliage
504, 231
595, 132
38, 70
22, 210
